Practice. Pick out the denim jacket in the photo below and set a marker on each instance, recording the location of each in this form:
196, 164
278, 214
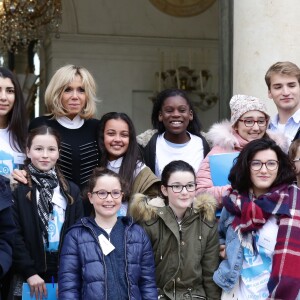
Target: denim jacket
228, 273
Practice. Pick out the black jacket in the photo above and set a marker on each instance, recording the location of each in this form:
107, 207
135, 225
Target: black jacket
7, 226
29, 253
149, 151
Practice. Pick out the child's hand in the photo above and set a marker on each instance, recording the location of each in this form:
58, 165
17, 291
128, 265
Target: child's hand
37, 286
222, 253
19, 175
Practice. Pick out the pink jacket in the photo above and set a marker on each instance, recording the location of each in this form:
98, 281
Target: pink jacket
224, 139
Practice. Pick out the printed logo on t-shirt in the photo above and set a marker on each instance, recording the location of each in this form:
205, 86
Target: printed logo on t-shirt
6, 163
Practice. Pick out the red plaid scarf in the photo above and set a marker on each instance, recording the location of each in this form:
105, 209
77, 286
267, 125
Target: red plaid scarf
283, 201
252, 213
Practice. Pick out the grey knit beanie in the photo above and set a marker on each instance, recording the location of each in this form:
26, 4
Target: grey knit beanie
240, 104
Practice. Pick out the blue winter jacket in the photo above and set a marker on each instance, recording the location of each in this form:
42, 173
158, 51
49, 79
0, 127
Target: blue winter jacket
82, 271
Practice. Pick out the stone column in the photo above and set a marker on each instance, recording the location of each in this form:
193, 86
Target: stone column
265, 31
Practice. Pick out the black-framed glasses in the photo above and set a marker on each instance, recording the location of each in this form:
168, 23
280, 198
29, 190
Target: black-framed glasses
177, 188
271, 165
103, 194
251, 122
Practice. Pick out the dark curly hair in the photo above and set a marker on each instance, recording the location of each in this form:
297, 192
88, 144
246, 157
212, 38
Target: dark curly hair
239, 175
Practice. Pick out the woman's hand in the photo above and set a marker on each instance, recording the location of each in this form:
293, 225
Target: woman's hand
37, 286
19, 175
222, 253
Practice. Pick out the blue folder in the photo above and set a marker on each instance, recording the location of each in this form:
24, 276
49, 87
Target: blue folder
51, 288
220, 166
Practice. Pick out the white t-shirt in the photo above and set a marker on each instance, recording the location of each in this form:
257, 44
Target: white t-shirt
9, 158
256, 269
190, 152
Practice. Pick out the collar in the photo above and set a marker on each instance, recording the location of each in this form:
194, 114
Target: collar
76, 123
115, 164
295, 117
4, 129
59, 199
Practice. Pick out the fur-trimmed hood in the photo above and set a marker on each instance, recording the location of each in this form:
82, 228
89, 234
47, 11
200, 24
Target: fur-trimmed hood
223, 135
143, 209
280, 139
144, 138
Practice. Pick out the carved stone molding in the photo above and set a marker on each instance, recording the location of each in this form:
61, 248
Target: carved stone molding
182, 8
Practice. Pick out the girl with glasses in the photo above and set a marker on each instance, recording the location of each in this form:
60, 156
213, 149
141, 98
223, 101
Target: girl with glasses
259, 226
249, 121
183, 233
43, 210
106, 256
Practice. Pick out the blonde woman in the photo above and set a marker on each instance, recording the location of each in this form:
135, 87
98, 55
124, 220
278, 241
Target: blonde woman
70, 99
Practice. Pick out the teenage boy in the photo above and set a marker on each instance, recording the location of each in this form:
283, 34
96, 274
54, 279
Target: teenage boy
283, 81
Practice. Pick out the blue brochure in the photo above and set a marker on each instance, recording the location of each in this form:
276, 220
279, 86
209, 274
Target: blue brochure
220, 165
51, 288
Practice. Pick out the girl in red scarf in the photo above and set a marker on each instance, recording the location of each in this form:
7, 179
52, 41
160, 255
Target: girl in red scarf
259, 226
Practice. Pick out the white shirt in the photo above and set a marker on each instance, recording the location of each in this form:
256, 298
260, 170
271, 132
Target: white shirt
257, 268
9, 158
76, 123
56, 219
115, 166
290, 128
190, 152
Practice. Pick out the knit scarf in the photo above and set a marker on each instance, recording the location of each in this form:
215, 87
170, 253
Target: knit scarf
251, 213
46, 182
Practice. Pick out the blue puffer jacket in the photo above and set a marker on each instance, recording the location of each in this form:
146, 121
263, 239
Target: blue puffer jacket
82, 271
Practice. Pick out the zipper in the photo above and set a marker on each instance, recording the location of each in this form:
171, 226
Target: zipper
174, 289
126, 263
105, 270
180, 232
179, 226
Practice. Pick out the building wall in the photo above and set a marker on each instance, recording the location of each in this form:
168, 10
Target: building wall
124, 43
264, 33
